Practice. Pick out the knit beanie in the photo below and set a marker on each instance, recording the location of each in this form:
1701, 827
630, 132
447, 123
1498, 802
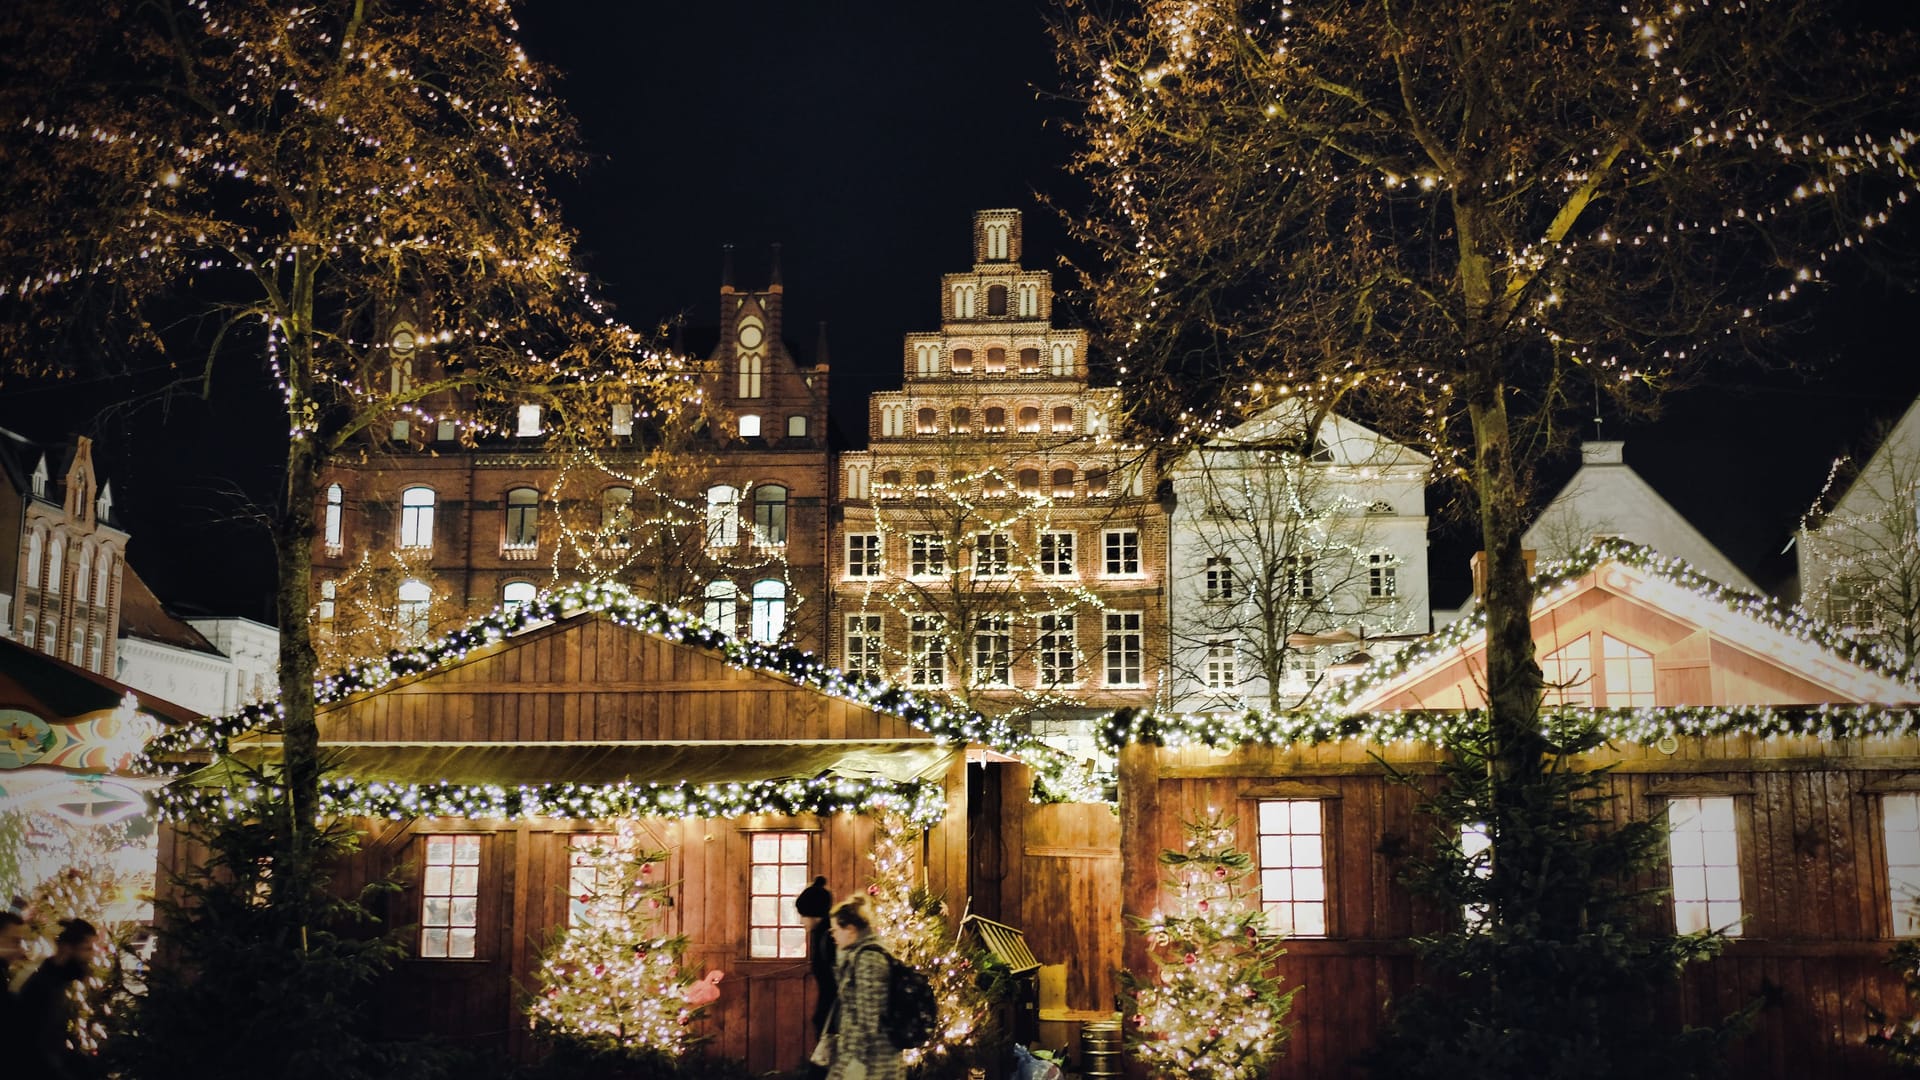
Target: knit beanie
814, 901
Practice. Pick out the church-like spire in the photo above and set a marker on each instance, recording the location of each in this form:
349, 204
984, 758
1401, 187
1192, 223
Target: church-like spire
726, 266
773, 281
820, 350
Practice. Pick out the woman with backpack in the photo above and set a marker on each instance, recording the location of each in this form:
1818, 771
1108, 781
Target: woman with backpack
856, 1046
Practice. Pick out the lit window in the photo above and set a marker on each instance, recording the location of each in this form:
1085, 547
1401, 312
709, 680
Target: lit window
992, 554
1062, 360
1059, 654
1028, 481
445, 431
103, 577
750, 375
893, 419
1220, 671
993, 485
616, 516
1477, 848
863, 555
926, 652
1629, 674
1122, 551
593, 875
40, 476
770, 514
336, 508
993, 651
926, 422
622, 419
996, 360
1030, 307
329, 591
36, 554
1029, 420
1029, 361
723, 516
1568, 672
415, 610
1383, 576
859, 481
926, 360
962, 362
1293, 870
1056, 554
722, 605
926, 555
83, 573
1301, 667
516, 595
749, 425
1706, 864
890, 484
1219, 578
995, 421
1296, 575
963, 301
1063, 483
1901, 816
780, 869
863, 648
1126, 648
1063, 420
450, 898
528, 423
56, 563
796, 427
523, 518
416, 517
769, 614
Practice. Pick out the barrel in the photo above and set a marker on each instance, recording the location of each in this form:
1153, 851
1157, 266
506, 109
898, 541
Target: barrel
1100, 1049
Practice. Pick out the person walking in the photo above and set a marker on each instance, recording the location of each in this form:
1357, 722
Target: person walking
859, 1047
46, 1010
814, 904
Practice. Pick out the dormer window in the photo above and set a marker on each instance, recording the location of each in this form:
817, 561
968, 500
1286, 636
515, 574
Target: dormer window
103, 506
40, 478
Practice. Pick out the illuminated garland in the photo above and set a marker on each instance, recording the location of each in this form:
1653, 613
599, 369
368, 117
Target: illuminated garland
921, 802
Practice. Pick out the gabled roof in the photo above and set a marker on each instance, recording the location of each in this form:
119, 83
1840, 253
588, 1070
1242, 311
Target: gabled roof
143, 616
1607, 498
1901, 444
1345, 441
1785, 638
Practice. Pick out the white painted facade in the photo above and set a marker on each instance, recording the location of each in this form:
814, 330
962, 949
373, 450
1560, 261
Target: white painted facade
253, 649
1303, 562
1859, 557
1606, 498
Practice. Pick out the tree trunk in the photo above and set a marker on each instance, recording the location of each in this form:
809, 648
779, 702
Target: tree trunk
1514, 681
293, 550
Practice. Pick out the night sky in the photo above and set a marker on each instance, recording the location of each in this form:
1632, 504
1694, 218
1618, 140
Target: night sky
861, 136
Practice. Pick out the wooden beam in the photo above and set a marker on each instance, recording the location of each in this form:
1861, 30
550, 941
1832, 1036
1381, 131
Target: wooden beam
608, 686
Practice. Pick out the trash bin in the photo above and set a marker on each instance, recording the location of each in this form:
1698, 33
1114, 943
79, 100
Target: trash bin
1100, 1049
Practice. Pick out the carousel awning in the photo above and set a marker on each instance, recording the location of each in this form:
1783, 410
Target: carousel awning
666, 763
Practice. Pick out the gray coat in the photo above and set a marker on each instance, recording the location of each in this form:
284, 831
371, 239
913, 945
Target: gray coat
864, 972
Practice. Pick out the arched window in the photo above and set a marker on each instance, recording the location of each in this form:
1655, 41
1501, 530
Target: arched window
796, 427
996, 299
890, 484
859, 481
996, 360
1029, 481
723, 516
1030, 361
963, 301
56, 568
416, 517
103, 577
749, 375
616, 516
962, 361
336, 510
995, 422
1029, 419
961, 419
993, 485
516, 595
1063, 359
927, 422
1096, 482
749, 425
893, 419
769, 615
1063, 483
36, 554
923, 481
997, 234
523, 518
1029, 300
722, 606
1063, 419
926, 360
415, 610
83, 574
770, 514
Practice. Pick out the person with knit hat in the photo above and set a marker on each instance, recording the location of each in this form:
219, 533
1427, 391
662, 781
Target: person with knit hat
813, 904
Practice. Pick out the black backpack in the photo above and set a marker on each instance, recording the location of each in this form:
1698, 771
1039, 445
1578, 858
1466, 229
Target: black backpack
912, 1012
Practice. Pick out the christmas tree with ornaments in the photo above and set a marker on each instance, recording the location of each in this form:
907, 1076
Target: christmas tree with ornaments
913, 925
1212, 1008
612, 981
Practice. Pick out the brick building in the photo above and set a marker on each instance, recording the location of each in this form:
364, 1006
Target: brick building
995, 542
62, 568
717, 504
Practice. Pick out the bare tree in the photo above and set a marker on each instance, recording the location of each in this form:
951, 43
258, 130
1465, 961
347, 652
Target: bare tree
1860, 555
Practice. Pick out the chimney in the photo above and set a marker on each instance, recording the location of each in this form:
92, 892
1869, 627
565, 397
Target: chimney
1479, 565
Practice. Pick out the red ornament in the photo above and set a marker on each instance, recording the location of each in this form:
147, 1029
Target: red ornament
646, 869
586, 898
653, 901
1203, 905
1139, 1018
1213, 1033
1220, 872
1192, 958
873, 889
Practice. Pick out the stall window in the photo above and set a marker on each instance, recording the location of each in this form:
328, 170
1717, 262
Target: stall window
450, 898
780, 869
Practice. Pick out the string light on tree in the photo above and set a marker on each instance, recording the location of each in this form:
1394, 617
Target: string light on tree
914, 926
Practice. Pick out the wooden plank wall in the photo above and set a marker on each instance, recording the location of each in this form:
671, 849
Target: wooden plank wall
1814, 888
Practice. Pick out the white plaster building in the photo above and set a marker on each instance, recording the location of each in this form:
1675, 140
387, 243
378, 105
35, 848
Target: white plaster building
1606, 498
1292, 557
212, 674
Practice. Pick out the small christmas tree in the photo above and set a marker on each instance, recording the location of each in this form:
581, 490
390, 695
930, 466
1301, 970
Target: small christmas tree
913, 925
1213, 1011
612, 981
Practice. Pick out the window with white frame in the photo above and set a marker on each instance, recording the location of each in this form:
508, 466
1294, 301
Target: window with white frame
1122, 552
1062, 359
83, 575
1293, 868
926, 652
1629, 674
336, 510
859, 481
450, 898
56, 563
1221, 672
1301, 666
415, 610
993, 651
1900, 816
723, 516
527, 422
1059, 652
1705, 852
593, 879
770, 515
926, 555
329, 591
1219, 578
1383, 575
416, 517
769, 615
1056, 554
523, 519
1296, 577
862, 651
863, 555
749, 375
992, 554
1126, 649
780, 868
1568, 673
103, 577
36, 556
722, 605
515, 595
